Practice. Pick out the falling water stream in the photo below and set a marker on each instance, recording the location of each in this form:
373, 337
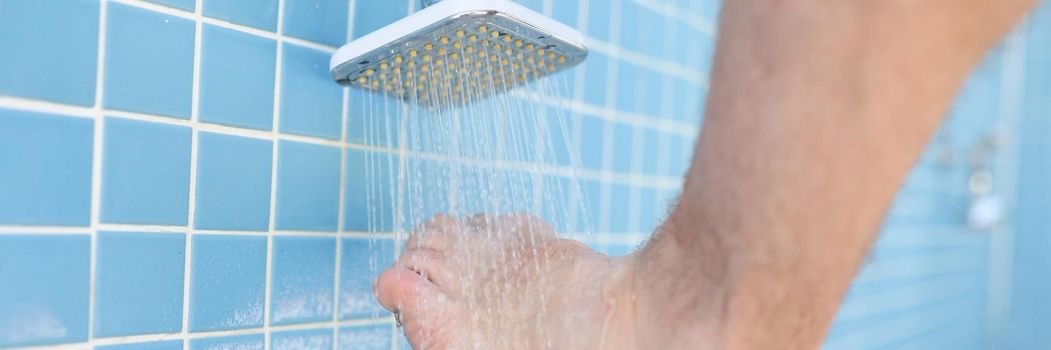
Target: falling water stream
454, 149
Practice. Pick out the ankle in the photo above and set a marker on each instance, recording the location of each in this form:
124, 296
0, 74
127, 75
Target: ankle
680, 298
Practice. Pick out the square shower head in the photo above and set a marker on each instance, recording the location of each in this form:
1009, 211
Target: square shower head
456, 52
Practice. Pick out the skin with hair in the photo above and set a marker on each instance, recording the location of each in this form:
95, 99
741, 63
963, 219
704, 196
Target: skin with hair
817, 110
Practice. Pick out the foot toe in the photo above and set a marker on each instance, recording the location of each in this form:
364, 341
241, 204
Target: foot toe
419, 304
433, 266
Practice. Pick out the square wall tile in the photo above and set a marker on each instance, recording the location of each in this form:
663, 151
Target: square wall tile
692, 99
700, 51
138, 283
149, 62
481, 129
535, 5
370, 190
652, 32
628, 91
311, 102
680, 53
44, 297
370, 15
428, 188
260, 14
511, 191
372, 119
237, 342
682, 150
50, 50
595, 73
518, 132
320, 21
320, 339
620, 211
307, 187
227, 282
559, 203
145, 172
566, 12
632, 32
237, 78
649, 93
563, 84
233, 182
51, 184
653, 148
599, 17
375, 337
651, 212
157, 345
624, 147
361, 261
673, 153
302, 279
589, 213
559, 130
592, 134
186, 5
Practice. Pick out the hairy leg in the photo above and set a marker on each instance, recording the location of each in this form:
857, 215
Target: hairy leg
817, 110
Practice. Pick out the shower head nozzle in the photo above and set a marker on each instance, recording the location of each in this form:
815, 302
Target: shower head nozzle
458, 51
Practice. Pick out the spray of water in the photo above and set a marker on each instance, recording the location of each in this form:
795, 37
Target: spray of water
486, 162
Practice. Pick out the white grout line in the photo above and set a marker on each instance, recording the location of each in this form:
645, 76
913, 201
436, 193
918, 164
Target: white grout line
44, 230
96, 166
605, 112
275, 133
665, 67
158, 229
199, 335
142, 228
610, 113
192, 197
20, 103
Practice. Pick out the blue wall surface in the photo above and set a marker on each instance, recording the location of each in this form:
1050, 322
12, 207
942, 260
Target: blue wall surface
1031, 312
184, 174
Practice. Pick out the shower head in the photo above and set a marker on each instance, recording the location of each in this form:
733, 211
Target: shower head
455, 52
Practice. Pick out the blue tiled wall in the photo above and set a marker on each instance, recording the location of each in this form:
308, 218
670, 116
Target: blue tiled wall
186, 172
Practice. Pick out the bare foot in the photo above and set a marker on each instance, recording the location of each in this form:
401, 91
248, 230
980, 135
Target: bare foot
507, 282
